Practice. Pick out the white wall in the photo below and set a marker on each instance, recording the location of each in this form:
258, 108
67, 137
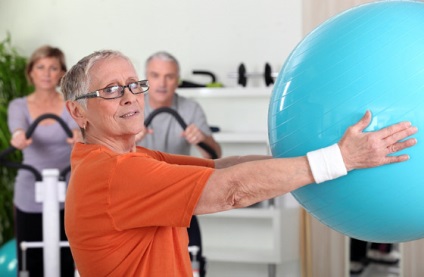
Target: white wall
214, 35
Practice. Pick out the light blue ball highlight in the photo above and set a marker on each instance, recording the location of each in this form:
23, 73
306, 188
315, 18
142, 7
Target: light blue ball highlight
8, 260
370, 57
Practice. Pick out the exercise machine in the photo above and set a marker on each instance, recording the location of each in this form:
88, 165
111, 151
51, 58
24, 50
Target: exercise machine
50, 189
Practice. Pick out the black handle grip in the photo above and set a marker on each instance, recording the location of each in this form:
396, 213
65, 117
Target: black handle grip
183, 125
203, 72
28, 134
173, 112
33, 170
32, 127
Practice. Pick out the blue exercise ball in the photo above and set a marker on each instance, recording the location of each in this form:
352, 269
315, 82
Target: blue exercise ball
370, 57
8, 260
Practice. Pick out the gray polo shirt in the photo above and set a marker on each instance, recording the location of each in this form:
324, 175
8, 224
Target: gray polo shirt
166, 135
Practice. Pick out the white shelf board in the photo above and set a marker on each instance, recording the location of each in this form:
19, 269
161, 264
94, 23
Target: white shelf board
241, 255
241, 137
225, 92
246, 213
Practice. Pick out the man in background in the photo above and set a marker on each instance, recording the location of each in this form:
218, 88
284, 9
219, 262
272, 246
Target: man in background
164, 133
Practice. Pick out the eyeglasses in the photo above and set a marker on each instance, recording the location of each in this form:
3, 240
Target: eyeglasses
117, 91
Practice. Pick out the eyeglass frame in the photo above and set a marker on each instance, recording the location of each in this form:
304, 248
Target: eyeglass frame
96, 94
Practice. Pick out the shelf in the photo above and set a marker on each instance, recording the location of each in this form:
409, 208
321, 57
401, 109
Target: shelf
225, 92
251, 235
241, 137
241, 255
246, 213
231, 236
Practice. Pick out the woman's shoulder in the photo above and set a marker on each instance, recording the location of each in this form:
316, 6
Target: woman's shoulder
19, 101
83, 153
18, 105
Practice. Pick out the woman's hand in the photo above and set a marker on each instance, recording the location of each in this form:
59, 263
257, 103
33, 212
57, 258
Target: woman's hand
76, 137
144, 132
19, 140
369, 149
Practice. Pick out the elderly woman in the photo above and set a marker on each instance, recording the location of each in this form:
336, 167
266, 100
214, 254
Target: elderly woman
127, 207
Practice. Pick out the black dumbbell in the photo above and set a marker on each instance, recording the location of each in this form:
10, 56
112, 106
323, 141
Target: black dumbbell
242, 75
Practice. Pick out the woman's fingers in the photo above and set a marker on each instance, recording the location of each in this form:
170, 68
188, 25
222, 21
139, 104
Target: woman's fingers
399, 132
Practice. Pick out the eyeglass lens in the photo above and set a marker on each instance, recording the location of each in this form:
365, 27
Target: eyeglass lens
118, 91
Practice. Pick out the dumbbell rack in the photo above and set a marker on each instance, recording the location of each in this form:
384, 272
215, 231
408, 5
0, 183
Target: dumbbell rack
242, 75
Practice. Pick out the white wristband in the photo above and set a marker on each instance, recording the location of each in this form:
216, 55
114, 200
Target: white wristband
326, 163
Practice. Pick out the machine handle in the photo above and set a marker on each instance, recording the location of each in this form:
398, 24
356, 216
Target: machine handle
183, 125
28, 134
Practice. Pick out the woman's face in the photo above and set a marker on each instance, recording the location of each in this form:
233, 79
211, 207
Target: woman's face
46, 73
109, 120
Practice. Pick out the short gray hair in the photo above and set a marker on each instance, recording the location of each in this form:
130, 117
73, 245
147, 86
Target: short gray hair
77, 80
164, 56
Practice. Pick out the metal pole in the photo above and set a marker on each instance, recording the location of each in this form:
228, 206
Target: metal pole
51, 230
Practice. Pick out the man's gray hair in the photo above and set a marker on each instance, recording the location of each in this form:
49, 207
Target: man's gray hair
164, 56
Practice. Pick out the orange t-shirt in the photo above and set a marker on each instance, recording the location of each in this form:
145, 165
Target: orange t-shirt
127, 214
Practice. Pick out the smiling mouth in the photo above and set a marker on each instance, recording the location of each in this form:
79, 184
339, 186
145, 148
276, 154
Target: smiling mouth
130, 114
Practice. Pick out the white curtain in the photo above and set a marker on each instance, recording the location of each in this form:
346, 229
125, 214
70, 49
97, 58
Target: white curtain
324, 251
412, 261
315, 12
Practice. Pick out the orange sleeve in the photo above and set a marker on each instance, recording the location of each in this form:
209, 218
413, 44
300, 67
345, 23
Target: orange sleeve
146, 192
177, 159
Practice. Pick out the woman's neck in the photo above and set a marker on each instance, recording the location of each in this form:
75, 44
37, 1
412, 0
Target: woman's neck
121, 145
45, 96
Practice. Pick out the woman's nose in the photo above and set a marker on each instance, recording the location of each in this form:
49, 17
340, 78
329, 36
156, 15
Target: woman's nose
128, 96
48, 72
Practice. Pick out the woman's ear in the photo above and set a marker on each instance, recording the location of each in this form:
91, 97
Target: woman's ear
77, 112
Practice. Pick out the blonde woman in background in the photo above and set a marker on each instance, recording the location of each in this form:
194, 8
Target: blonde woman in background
49, 147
